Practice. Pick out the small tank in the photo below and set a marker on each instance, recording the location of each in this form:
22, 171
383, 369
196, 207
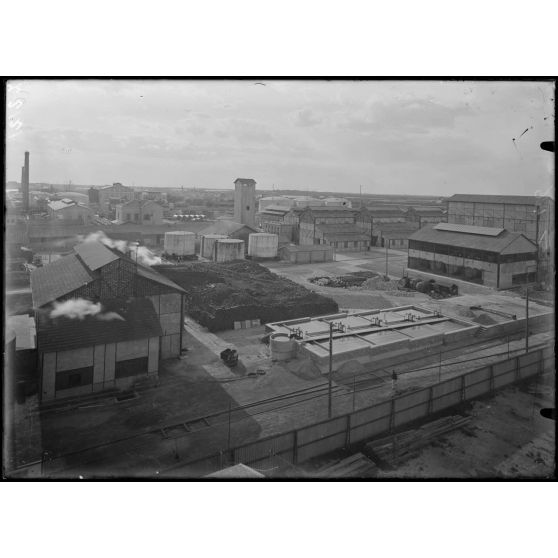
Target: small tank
228, 249
207, 243
180, 243
282, 347
263, 245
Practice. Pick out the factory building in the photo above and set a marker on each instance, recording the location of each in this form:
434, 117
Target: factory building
108, 197
245, 201
425, 215
331, 226
101, 284
492, 257
81, 356
139, 212
532, 216
272, 220
395, 235
70, 212
370, 219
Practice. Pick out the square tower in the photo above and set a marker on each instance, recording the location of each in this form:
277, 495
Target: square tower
245, 201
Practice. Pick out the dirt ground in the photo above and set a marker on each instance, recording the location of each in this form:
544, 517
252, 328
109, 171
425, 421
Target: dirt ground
506, 438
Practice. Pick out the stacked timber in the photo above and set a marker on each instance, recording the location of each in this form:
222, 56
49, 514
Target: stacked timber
399, 447
355, 466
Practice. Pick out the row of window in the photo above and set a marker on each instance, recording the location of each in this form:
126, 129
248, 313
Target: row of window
84, 376
455, 251
516, 225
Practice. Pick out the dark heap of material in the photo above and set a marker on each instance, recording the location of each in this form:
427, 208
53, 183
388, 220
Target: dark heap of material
219, 294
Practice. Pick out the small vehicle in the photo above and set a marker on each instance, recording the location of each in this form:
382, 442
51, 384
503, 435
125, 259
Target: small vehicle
229, 357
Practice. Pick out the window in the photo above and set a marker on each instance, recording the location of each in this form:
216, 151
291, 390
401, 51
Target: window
247, 208
136, 216
74, 378
131, 367
147, 217
128, 216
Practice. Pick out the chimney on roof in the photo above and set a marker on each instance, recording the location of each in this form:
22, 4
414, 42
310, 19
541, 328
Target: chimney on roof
25, 182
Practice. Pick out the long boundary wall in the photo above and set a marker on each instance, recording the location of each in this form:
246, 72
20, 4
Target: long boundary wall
340, 432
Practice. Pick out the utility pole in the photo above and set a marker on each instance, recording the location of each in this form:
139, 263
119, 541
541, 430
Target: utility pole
386, 243
527, 308
527, 319
338, 328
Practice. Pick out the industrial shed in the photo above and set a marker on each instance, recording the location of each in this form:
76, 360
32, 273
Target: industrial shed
98, 273
487, 256
112, 348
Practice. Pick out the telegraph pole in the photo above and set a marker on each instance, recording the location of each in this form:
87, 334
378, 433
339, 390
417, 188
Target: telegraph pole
338, 328
386, 242
329, 378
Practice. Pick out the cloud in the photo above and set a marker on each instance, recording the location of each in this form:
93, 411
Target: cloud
79, 308
306, 118
412, 116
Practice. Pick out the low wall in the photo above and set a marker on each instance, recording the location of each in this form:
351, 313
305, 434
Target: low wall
381, 418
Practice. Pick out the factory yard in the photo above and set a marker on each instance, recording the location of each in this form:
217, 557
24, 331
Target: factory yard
186, 416
199, 407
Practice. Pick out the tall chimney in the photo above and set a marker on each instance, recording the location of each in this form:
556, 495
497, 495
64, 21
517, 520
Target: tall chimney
25, 186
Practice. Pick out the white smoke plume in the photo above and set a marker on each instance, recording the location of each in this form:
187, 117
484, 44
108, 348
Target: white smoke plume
144, 255
79, 308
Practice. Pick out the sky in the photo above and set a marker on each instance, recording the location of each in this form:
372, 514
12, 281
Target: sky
395, 137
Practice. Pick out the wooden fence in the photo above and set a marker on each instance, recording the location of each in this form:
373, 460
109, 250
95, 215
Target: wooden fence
300, 445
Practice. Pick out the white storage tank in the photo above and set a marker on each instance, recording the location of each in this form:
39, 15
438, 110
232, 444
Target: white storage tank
263, 245
180, 243
228, 249
207, 242
282, 347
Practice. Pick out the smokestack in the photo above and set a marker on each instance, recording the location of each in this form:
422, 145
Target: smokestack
25, 183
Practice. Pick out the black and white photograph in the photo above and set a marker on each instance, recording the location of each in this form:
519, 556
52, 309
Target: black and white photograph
279, 279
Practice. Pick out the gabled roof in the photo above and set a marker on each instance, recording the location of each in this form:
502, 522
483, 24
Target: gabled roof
245, 180
71, 272
499, 243
225, 227
139, 321
482, 198
58, 279
95, 254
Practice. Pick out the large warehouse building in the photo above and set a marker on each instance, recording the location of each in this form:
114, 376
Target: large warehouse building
488, 256
102, 317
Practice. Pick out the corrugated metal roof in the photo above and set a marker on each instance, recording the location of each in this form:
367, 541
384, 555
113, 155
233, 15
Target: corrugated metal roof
58, 279
95, 254
495, 244
225, 227
469, 229
482, 198
59, 334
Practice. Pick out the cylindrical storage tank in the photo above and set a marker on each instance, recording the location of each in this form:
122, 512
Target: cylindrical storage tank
180, 243
228, 249
207, 243
263, 245
282, 348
